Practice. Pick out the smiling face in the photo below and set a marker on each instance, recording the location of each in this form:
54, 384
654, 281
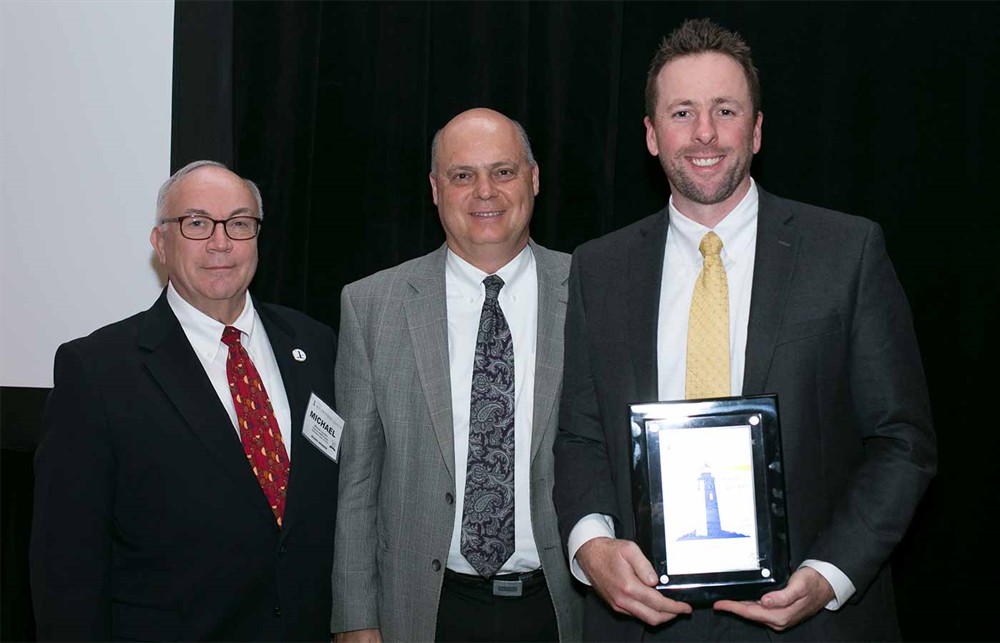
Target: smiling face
705, 133
484, 188
212, 274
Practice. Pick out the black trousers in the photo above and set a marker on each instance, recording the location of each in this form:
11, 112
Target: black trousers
470, 611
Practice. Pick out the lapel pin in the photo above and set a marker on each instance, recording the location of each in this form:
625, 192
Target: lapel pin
299, 355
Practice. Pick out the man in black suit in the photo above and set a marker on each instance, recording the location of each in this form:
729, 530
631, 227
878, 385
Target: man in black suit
813, 312
185, 482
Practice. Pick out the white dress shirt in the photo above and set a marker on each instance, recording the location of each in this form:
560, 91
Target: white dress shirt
682, 263
519, 301
205, 336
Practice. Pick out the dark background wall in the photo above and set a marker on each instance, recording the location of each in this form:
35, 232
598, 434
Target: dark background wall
886, 110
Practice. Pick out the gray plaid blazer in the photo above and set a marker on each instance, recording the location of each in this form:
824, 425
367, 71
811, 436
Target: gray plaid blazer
397, 458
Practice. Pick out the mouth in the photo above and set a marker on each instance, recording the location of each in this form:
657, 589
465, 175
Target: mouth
487, 215
708, 161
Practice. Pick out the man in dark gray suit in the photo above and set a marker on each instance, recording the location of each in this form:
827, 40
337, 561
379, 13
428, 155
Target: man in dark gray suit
449, 373
813, 312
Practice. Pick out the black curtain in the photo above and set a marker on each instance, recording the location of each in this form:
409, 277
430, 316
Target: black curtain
886, 110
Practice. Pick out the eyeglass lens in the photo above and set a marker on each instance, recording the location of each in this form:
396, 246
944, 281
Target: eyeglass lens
237, 228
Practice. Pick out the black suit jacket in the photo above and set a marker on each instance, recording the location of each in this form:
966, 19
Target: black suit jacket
831, 333
148, 522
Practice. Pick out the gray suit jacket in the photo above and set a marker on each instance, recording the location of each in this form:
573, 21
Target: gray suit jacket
397, 459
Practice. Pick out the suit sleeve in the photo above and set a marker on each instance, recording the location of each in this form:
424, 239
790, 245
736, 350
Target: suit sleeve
892, 409
583, 470
71, 534
355, 573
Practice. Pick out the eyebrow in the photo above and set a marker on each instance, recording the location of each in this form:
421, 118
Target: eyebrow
718, 100
473, 168
197, 211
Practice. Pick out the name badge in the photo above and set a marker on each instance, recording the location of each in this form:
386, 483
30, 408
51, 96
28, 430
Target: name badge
323, 427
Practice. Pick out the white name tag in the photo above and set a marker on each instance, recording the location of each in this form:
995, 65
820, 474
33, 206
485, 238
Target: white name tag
323, 427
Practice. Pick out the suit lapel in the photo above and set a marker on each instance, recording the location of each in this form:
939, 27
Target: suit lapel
549, 336
426, 311
173, 364
645, 271
774, 263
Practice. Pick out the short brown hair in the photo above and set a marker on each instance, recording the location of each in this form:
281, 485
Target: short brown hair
698, 37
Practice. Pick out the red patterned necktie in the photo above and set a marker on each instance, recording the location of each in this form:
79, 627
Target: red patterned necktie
258, 426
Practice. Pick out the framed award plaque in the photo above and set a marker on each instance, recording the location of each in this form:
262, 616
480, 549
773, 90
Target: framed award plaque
709, 496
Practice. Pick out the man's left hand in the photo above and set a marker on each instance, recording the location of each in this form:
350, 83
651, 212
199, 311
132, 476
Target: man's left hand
806, 593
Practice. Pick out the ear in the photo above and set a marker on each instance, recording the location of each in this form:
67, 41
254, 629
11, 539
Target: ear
534, 178
651, 145
157, 240
434, 188
757, 132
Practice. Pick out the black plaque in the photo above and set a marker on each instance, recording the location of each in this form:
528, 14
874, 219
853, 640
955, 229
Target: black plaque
709, 496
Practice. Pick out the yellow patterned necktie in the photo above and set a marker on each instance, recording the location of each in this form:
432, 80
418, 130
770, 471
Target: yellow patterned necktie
708, 327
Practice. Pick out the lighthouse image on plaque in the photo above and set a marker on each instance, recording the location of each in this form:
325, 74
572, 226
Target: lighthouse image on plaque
707, 521
709, 508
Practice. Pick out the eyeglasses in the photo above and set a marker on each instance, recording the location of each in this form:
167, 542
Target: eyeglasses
198, 227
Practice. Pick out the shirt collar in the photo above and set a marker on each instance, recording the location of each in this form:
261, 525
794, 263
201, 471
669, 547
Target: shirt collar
737, 230
205, 333
468, 279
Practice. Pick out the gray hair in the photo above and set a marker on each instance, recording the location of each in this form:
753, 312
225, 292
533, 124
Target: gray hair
523, 135
168, 185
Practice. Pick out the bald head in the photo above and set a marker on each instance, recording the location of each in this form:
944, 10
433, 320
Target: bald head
484, 181
167, 188
484, 116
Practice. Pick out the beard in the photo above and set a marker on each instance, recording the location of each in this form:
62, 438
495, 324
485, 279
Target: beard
687, 185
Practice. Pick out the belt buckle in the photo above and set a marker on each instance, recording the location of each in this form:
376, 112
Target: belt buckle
508, 588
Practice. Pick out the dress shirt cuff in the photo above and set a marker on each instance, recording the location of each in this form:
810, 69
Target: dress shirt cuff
589, 527
843, 588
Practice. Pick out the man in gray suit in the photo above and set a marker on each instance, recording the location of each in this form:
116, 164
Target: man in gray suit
449, 372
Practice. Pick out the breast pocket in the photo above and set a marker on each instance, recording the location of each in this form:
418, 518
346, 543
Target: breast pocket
807, 329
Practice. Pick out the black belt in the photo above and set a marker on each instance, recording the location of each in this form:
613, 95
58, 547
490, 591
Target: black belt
501, 584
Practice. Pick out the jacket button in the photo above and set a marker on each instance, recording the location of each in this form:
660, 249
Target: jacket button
281, 552
450, 499
277, 611
436, 565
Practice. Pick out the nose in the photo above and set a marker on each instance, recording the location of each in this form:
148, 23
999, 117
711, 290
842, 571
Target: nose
704, 131
219, 240
484, 188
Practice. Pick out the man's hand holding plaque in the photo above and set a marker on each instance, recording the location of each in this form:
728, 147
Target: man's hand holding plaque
625, 579
806, 593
